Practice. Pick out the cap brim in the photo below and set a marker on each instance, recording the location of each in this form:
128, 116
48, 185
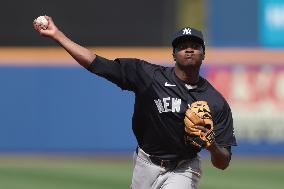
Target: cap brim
187, 37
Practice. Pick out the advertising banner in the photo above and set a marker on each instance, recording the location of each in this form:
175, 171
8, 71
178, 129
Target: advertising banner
256, 95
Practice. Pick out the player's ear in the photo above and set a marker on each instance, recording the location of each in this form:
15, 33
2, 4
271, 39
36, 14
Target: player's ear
203, 55
174, 56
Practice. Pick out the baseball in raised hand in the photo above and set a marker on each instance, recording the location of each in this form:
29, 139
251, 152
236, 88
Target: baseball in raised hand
45, 26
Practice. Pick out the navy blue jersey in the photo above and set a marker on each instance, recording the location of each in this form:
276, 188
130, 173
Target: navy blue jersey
161, 100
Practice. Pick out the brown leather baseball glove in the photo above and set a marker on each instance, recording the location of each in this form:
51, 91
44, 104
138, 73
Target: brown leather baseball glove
199, 116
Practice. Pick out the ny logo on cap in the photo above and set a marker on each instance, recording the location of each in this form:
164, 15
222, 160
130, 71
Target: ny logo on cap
186, 31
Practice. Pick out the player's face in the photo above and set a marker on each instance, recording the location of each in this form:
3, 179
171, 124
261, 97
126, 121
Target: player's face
188, 53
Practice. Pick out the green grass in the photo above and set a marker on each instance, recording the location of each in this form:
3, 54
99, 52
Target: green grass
64, 174
245, 174
82, 173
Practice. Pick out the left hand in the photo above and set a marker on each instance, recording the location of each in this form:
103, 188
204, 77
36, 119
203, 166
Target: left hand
206, 135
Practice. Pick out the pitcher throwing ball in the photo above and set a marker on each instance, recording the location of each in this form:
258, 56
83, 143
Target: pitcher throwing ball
177, 112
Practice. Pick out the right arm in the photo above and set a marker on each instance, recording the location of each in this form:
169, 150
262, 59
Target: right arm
81, 54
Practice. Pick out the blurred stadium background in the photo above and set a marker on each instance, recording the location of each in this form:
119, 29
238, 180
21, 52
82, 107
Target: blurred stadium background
62, 127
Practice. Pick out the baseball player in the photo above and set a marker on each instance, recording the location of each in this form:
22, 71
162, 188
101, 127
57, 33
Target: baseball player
177, 112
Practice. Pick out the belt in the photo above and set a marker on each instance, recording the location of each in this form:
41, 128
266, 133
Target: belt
165, 163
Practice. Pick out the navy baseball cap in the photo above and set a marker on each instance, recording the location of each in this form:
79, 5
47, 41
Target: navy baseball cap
188, 33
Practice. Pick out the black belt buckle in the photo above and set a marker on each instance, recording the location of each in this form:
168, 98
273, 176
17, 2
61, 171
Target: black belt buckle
167, 164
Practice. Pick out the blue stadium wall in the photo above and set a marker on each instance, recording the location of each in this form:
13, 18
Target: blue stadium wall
62, 109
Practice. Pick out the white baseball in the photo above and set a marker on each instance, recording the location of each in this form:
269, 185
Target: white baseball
42, 22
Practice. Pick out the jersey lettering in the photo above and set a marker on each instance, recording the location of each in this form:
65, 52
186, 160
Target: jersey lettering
168, 104
176, 104
159, 105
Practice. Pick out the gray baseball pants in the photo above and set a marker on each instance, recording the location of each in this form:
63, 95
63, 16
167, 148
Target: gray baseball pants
147, 175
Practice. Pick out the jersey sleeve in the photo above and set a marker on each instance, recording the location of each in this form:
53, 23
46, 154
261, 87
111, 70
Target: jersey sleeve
127, 73
224, 129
